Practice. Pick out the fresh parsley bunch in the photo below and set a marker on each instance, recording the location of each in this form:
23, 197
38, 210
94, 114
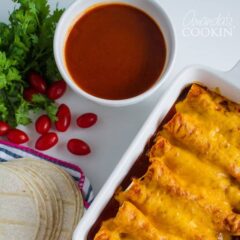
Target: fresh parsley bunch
26, 43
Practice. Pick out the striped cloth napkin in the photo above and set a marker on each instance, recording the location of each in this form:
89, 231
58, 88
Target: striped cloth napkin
10, 151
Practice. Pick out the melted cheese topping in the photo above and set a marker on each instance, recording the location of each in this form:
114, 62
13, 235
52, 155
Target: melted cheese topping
130, 224
191, 189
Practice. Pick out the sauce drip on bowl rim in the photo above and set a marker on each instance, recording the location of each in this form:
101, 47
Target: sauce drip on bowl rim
115, 52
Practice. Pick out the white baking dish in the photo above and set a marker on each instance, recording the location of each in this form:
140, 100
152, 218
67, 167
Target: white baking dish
229, 85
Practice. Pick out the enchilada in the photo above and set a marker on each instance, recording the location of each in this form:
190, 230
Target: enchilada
191, 188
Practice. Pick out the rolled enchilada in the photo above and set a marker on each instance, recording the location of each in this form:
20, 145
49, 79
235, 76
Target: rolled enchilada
191, 188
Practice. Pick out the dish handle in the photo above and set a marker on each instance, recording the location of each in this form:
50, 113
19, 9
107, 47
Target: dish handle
233, 75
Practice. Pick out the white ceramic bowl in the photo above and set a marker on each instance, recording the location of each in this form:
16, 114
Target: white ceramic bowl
79, 8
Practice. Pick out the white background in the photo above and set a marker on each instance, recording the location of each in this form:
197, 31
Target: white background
117, 126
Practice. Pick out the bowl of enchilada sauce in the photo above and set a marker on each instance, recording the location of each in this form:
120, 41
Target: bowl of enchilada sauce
115, 52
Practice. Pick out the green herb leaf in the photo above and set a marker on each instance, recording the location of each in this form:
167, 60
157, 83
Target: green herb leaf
22, 113
26, 43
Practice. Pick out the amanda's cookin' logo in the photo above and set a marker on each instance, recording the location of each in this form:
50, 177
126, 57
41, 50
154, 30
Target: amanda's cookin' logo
202, 26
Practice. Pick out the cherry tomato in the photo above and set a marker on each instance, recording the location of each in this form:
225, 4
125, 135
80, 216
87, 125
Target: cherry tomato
28, 93
87, 120
4, 127
56, 89
64, 118
37, 82
46, 141
78, 147
43, 124
17, 136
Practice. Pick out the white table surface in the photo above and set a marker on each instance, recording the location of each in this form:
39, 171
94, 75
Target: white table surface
117, 126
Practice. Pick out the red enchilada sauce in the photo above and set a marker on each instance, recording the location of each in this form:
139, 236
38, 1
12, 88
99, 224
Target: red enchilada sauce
115, 51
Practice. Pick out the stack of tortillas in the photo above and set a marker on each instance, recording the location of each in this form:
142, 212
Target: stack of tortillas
38, 201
